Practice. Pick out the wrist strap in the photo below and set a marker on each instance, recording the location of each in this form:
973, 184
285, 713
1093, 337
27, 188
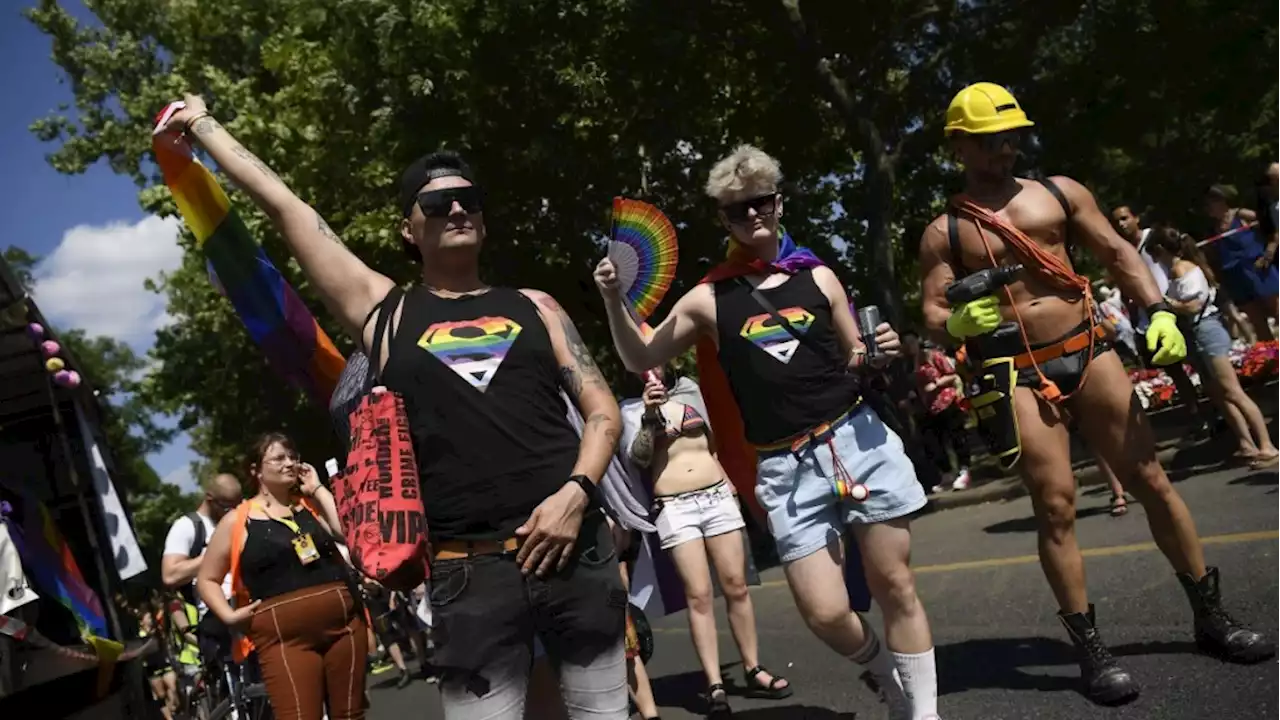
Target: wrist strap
1161, 306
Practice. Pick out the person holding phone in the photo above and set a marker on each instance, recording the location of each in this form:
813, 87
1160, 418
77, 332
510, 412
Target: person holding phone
290, 586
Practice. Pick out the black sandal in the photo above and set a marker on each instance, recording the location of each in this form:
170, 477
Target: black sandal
767, 692
718, 707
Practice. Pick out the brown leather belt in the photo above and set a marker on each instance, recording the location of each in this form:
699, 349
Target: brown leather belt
459, 549
1073, 344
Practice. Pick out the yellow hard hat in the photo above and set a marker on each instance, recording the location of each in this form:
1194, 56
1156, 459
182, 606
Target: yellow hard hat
985, 108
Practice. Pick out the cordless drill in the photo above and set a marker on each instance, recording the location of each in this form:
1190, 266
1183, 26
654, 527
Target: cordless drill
981, 284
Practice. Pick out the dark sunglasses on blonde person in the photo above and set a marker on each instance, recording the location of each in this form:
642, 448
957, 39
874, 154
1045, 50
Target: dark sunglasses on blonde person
764, 205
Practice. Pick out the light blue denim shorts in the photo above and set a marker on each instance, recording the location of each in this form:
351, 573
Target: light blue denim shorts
1212, 338
797, 492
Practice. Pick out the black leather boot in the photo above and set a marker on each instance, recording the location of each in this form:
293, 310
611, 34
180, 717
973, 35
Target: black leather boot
1104, 681
1217, 633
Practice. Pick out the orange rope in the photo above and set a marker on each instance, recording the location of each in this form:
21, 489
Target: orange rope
1049, 267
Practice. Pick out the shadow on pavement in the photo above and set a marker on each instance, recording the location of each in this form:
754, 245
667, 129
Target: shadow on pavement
996, 663
792, 712
1258, 478
1028, 524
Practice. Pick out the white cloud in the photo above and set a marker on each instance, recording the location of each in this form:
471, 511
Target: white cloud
94, 279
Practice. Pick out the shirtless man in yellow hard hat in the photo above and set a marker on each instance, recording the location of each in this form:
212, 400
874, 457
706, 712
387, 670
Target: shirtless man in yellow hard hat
1038, 345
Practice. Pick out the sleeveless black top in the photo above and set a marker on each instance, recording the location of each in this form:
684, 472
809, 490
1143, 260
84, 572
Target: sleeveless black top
481, 386
783, 386
269, 565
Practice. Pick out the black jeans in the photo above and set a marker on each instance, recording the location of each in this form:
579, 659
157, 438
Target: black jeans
483, 606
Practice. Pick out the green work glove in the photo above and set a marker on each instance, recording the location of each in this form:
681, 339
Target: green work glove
1165, 335
977, 317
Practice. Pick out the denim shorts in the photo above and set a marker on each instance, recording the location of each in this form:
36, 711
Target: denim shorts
1212, 338
796, 492
483, 608
697, 514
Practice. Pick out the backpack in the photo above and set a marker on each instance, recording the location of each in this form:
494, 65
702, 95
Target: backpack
198, 542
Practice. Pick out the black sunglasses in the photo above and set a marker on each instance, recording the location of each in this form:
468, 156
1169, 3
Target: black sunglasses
995, 142
439, 203
764, 205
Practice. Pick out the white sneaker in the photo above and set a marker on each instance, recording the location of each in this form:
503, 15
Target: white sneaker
962, 480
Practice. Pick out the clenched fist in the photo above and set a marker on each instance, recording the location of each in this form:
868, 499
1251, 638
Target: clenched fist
606, 277
194, 107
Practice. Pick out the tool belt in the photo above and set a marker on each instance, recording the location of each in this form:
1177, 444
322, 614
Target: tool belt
460, 549
1073, 344
989, 390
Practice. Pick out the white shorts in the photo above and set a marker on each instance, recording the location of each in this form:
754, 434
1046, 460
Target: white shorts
698, 514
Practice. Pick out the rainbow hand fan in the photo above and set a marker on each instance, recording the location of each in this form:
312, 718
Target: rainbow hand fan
642, 247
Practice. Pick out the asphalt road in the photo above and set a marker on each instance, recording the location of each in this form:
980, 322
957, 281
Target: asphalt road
1001, 651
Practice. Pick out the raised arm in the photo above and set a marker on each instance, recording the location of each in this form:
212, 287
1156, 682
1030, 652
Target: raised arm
936, 275
348, 287
584, 384
1119, 257
677, 333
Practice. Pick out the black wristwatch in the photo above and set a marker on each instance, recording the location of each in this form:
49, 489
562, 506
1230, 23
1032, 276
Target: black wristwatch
587, 486
1161, 306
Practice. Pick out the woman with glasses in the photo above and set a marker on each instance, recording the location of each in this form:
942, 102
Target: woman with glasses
290, 587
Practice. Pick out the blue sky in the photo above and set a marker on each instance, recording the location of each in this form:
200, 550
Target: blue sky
97, 243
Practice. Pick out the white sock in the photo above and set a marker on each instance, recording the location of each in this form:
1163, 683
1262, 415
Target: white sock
881, 664
920, 683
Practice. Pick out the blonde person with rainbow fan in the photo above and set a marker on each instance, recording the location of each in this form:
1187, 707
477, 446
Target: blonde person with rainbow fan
782, 390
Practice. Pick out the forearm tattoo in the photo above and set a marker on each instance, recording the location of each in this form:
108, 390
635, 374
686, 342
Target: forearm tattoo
642, 446
326, 230
241, 152
598, 419
204, 126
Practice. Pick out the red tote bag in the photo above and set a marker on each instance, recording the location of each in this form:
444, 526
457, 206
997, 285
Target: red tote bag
378, 495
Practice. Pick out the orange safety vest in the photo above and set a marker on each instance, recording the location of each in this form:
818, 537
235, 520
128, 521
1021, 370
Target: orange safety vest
242, 646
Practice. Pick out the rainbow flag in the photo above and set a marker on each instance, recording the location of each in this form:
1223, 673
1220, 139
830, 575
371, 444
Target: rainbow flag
276, 318
52, 568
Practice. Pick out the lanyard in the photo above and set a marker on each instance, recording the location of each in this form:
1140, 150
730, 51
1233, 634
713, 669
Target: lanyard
287, 522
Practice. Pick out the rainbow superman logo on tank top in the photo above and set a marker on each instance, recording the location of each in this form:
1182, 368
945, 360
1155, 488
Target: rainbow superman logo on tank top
474, 349
769, 336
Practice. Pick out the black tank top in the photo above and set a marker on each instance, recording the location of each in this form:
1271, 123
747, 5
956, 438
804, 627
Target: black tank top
269, 565
482, 391
783, 387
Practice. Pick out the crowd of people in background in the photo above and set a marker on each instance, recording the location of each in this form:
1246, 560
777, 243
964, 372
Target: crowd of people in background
526, 614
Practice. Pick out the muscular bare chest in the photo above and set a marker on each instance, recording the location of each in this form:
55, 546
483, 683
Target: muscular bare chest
1033, 211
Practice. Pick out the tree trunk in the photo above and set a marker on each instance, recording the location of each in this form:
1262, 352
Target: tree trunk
878, 167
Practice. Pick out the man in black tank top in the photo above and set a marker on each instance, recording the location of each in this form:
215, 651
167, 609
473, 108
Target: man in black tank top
521, 547
780, 361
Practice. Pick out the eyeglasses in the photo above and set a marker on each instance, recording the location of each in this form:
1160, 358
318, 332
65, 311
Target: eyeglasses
439, 203
764, 205
995, 142
280, 461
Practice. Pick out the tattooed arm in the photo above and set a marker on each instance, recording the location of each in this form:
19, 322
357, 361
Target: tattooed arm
348, 287
584, 384
642, 447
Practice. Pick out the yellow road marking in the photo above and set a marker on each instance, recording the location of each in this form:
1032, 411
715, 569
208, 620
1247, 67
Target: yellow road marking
1228, 539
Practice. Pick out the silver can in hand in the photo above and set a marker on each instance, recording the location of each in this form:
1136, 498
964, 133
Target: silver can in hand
868, 321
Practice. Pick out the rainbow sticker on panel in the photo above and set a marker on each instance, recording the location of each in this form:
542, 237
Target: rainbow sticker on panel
474, 349
774, 339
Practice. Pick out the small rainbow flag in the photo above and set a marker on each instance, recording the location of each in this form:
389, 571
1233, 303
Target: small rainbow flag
277, 320
53, 569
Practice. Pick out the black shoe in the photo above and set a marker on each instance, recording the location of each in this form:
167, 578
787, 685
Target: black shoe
1217, 633
403, 682
718, 703
1105, 682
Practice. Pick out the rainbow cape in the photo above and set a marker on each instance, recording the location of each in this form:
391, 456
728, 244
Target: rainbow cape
276, 318
52, 568
737, 456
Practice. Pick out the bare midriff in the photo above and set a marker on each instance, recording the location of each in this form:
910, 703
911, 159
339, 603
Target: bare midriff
685, 463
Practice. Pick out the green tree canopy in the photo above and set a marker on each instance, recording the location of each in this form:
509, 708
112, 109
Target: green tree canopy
562, 104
